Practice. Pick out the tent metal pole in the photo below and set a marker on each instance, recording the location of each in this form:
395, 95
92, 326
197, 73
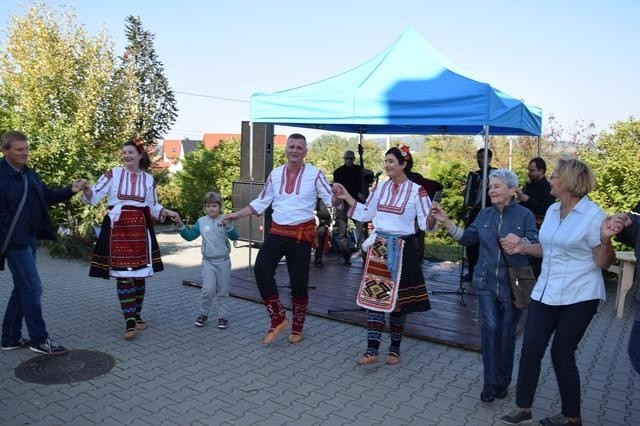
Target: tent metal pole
360, 154
539, 148
250, 193
485, 131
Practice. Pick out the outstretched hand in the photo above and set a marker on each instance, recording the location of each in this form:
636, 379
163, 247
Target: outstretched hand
79, 184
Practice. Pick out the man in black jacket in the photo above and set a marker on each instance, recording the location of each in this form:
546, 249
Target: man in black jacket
536, 196
24, 217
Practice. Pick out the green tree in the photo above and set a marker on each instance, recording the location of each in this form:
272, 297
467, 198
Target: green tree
615, 162
207, 170
156, 104
65, 90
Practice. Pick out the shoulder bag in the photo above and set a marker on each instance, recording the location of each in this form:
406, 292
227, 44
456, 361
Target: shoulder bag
7, 238
522, 281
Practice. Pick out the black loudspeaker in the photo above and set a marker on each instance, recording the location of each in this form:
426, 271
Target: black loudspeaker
250, 228
262, 151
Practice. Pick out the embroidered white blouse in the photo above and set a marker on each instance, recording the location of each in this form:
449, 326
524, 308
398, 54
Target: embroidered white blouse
125, 189
393, 208
569, 273
293, 198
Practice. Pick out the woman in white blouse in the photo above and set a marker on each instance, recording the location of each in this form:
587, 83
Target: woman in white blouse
575, 244
127, 248
392, 280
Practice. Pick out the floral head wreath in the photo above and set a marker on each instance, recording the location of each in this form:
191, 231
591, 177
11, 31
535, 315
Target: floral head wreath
404, 151
139, 143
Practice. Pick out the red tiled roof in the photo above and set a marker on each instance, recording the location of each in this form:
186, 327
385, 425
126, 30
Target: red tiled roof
280, 140
171, 148
211, 140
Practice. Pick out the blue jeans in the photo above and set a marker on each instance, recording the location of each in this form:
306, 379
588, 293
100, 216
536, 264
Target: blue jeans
499, 325
634, 345
25, 298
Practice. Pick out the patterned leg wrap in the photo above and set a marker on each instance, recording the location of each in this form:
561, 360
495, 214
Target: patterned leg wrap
127, 298
375, 324
275, 310
396, 325
299, 314
139, 292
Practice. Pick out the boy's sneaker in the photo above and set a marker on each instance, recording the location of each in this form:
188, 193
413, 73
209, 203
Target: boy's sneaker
21, 343
49, 347
222, 323
201, 320
516, 417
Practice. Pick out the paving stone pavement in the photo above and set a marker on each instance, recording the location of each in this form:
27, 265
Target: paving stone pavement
177, 374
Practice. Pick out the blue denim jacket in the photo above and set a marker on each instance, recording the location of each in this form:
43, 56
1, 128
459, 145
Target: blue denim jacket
490, 274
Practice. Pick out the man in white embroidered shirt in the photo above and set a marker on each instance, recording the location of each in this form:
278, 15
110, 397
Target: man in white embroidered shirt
291, 190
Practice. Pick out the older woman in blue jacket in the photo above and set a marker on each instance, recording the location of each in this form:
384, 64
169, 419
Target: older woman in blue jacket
490, 277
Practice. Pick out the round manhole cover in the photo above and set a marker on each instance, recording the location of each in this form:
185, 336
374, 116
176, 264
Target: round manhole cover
74, 366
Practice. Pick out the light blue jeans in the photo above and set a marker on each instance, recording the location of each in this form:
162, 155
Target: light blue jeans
25, 298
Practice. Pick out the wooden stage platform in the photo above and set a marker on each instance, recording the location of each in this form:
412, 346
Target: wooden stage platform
448, 322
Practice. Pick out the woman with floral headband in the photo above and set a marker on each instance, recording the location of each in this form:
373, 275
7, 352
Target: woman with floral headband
392, 280
127, 248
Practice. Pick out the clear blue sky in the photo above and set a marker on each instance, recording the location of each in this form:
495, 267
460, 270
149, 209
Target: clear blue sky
575, 59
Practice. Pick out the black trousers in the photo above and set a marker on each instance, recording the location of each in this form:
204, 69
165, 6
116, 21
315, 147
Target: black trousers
567, 323
297, 254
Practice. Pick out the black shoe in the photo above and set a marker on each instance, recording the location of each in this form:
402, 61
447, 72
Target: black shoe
347, 261
467, 277
21, 343
500, 391
318, 262
559, 419
222, 323
516, 417
487, 394
201, 320
49, 347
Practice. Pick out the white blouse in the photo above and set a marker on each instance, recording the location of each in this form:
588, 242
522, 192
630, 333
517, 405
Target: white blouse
293, 198
125, 189
393, 208
569, 273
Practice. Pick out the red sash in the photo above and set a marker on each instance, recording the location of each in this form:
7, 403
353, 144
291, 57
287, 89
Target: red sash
301, 232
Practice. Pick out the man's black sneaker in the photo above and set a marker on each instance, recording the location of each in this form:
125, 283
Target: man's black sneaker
517, 417
21, 343
49, 347
222, 323
201, 320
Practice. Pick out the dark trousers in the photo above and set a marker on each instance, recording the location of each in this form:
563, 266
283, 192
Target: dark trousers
634, 345
569, 322
297, 254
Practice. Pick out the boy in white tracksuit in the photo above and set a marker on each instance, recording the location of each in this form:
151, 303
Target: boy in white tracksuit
216, 264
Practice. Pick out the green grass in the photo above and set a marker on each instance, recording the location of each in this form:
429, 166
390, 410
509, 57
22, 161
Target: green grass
445, 252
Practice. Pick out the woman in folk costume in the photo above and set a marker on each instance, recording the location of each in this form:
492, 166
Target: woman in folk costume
127, 248
392, 280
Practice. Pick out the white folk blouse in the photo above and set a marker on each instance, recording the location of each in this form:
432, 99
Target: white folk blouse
393, 208
293, 200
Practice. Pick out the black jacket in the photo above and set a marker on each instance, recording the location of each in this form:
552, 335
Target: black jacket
39, 198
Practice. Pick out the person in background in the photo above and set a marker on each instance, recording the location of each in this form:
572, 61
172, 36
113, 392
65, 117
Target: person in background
575, 244
630, 235
127, 249
322, 232
536, 196
499, 317
393, 207
349, 175
473, 203
216, 263
292, 190
432, 187
24, 217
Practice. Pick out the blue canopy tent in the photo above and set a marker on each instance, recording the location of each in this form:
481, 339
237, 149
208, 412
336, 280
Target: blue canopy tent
410, 88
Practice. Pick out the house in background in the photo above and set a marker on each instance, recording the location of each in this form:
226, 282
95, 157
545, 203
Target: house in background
172, 151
